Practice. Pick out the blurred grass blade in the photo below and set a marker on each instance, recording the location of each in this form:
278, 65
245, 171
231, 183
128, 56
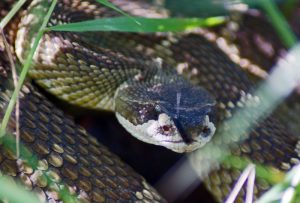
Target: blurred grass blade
26, 156
279, 23
14, 193
207, 8
245, 176
192, 8
25, 69
267, 173
11, 13
286, 190
112, 6
281, 82
124, 24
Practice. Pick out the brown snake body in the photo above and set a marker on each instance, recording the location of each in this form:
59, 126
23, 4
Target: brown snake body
69, 156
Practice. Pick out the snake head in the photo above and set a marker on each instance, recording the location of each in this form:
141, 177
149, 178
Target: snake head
178, 116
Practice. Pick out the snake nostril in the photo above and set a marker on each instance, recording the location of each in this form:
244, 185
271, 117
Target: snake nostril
206, 131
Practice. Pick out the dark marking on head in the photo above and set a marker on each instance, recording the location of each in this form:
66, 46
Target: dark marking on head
185, 136
206, 131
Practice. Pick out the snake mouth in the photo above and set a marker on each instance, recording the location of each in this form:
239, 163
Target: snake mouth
179, 146
171, 141
153, 132
180, 141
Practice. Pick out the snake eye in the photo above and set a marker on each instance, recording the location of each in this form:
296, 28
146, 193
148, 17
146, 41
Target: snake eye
166, 128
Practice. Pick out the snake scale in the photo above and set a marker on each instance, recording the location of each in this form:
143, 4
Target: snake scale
68, 156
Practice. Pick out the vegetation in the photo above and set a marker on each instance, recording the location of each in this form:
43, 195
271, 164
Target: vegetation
137, 24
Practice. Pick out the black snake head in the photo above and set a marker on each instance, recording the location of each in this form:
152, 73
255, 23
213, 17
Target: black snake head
176, 115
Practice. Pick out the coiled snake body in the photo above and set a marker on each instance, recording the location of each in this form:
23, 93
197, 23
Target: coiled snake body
87, 70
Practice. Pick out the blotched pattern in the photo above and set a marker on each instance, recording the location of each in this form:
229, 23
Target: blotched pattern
203, 63
58, 157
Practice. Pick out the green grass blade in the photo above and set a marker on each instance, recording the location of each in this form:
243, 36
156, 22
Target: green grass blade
267, 173
124, 24
279, 23
8, 145
11, 13
277, 193
25, 69
112, 6
265, 98
14, 193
